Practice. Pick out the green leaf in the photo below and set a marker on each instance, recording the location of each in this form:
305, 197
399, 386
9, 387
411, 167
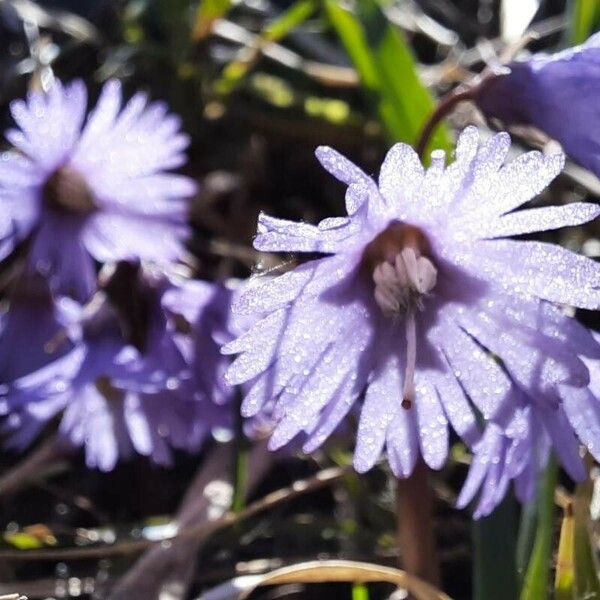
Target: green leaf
586, 570
387, 71
494, 545
536, 582
585, 17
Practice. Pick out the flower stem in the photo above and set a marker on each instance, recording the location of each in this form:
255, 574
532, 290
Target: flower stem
447, 104
443, 109
494, 544
536, 582
414, 512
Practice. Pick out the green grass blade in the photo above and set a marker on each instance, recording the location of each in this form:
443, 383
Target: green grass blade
207, 13
564, 579
295, 15
494, 545
525, 539
352, 36
585, 18
387, 71
536, 584
587, 584
360, 591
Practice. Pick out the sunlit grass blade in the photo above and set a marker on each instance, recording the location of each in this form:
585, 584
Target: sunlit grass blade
585, 19
387, 71
207, 13
494, 546
330, 571
360, 592
564, 579
536, 583
587, 584
295, 15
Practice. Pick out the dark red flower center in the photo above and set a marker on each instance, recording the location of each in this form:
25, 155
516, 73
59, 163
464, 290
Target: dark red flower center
399, 262
67, 191
107, 389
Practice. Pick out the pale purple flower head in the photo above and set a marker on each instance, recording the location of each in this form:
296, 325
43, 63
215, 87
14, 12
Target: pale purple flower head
125, 387
419, 285
557, 94
542, 422
92, 187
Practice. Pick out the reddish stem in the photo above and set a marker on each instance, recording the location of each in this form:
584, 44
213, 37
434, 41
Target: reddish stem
416, 539
443, 109
449, 102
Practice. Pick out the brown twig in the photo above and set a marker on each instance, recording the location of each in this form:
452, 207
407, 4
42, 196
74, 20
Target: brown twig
299, 488
171, 568
34, 465
328, 571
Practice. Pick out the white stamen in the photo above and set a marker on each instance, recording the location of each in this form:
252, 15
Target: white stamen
409, 257
399, 288
426, 275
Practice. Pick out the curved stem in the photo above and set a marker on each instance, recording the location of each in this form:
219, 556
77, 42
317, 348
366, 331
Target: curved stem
443, 109
449, 102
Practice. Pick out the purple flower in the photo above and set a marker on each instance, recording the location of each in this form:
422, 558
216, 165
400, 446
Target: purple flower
203, 311
557, 94
92, 188
419, 285
542, 422
126, 386
32, 328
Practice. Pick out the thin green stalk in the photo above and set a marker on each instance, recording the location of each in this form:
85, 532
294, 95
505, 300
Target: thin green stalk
537, 578
525, 539
584, 20
587, 584
494, 548
360, 591
564, 578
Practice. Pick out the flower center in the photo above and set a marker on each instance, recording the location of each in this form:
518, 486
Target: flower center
107, 389
67, 191
398, 260
129, 294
